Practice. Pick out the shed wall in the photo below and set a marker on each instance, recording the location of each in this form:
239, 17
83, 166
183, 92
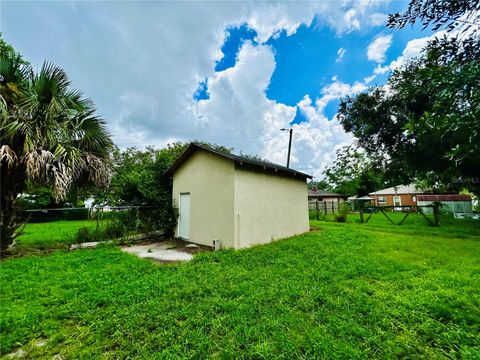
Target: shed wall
268, 207
449, 206
209, 179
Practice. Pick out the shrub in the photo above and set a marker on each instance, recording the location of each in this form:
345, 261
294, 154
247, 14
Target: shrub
114, 229
341, 216
83, 235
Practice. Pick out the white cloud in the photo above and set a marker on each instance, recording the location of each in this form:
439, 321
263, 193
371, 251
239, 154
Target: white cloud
145, 92
351, 20
258, 120
340, 54
378, 47
369, 79
379, 69
377, 19
238, 113
412, 50
337, 90
314, 142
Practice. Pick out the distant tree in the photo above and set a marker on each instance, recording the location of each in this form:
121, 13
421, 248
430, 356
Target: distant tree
217, 147
9, 51
49, 135
353, 173
319, 185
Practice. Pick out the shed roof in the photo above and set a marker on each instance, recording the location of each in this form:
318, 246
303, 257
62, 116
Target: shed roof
239, 160
444, 197
399, 190
324, 193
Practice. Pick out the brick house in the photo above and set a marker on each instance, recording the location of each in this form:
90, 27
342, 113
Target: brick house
401, 195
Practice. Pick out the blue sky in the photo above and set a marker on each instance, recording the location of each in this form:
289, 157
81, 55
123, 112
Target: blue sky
228, 72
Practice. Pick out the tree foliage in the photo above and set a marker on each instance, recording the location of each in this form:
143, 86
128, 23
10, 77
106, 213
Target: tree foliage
49, 136
439, 13
353, 173
424, 123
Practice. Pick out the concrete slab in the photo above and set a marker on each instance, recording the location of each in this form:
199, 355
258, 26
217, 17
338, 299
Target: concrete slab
163, 251
87, 245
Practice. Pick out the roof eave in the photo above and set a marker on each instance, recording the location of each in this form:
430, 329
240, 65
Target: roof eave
273, 167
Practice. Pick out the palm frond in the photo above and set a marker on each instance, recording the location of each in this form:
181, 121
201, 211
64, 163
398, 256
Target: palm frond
8, 156
38, 165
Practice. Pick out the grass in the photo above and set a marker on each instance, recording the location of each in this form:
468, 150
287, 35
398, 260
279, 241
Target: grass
413, 223
48, 235
344, 291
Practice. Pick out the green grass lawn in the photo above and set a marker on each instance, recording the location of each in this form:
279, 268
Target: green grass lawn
48, 235
413, 223
344, 291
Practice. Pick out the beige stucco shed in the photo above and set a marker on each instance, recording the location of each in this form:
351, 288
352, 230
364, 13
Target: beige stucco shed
238, 201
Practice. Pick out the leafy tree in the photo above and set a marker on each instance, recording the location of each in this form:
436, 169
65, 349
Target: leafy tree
9, 51
424, 122
353, 173
49, 136
319, 185
439, 13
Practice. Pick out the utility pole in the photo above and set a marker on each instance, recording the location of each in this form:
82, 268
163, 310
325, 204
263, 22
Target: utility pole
289, 144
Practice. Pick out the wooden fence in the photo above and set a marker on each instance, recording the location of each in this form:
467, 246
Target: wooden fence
324, 207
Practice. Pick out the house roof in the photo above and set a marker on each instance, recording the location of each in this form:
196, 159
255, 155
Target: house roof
444, 197
400, 190
239, 161
324, 193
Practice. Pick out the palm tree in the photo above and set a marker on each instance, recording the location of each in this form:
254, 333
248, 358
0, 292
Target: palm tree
49, 135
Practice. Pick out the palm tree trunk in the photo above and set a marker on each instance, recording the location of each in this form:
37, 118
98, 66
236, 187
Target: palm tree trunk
8, 225
12, 183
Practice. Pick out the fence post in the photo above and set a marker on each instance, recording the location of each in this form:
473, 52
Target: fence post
317, 210
137, 221
98, 224
361, 207
436, 213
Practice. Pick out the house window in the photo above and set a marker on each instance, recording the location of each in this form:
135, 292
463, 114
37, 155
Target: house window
382, 199
397, 201
414, 198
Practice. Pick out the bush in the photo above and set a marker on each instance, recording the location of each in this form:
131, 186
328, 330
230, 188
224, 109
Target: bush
342, 214
114, 229
83, 235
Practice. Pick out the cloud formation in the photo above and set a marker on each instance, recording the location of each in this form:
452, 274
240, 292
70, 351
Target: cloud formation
377, 49
340, 54
143, 62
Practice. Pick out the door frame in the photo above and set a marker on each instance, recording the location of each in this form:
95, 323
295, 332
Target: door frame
180, 215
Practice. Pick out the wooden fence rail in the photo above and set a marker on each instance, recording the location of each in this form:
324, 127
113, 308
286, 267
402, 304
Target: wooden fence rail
324, 207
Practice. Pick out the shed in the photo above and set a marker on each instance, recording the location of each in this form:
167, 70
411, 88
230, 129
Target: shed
452, 203
236, 200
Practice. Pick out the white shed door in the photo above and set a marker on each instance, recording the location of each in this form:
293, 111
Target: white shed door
184, 219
